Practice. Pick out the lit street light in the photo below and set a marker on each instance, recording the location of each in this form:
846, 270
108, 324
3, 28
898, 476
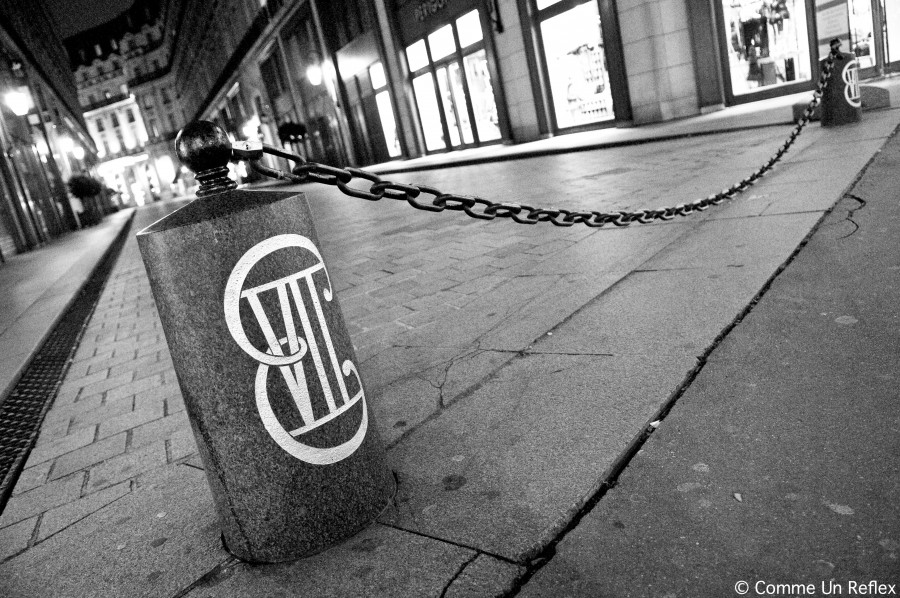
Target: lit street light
18, 101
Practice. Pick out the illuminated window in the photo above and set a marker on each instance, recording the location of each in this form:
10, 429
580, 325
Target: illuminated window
376, 74
487, 121
388, 124
441, 42
767, 44
468, 27
429, 113
576, 62
417, 56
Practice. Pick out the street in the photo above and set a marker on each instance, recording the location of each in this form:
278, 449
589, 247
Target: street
513, 371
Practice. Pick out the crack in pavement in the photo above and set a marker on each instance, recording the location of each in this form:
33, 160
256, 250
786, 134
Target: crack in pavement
457, 574
852, 212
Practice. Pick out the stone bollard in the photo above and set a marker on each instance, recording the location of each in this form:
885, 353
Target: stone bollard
266, 367
841, 100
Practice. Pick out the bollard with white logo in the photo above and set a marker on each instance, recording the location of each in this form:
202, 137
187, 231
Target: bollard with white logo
268, 374
841, 100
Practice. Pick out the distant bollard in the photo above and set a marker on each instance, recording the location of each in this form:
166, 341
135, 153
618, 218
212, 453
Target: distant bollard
266, 367
841, 100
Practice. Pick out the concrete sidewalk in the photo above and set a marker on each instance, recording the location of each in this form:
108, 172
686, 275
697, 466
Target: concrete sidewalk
780, 464
511, 370
32, 304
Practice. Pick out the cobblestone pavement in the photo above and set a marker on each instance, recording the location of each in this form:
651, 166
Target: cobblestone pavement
435, 304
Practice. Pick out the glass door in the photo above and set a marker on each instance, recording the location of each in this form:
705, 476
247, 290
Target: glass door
456, 105
452, 86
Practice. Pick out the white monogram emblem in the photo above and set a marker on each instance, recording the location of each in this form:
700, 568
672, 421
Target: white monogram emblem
299, 345
850, 75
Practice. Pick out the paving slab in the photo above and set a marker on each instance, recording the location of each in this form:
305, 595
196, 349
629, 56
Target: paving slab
379, 562
764, 242
659, 313
506, 468
779, 464
155, 542
485, 577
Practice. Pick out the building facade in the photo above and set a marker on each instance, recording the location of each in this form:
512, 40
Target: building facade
43, 138
369, 81
126, 90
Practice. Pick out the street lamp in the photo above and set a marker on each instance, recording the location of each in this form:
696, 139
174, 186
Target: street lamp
18, 101
78, 152
314, 74
66, 144
251, 128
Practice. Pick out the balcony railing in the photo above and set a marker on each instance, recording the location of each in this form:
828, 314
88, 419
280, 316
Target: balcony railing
152, 75
118, 97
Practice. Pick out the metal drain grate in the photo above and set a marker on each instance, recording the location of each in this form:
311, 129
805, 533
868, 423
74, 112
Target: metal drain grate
22, 413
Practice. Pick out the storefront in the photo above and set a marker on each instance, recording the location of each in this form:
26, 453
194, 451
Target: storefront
768, 48
875, 34
312, 83
452, 73
579, 54
369, 105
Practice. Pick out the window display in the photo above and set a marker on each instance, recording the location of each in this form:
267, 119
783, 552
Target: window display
576, 63
891, 10
861, 32
768, 43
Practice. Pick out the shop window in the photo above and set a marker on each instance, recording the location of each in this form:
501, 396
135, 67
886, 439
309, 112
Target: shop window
861, 32
892, 26
576, 63
130, 114
768, 44
100, 125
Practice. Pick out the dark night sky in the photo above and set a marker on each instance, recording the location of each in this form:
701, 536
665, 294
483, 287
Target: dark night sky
73, 16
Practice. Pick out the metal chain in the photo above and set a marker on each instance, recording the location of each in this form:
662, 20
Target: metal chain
483, 209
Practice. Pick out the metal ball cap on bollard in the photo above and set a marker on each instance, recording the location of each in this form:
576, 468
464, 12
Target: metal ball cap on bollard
841, 100
266, 367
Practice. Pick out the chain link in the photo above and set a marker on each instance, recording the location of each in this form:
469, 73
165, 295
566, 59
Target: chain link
484, 209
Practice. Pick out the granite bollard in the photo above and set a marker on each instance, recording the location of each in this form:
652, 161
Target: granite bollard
842, 99
266, 367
